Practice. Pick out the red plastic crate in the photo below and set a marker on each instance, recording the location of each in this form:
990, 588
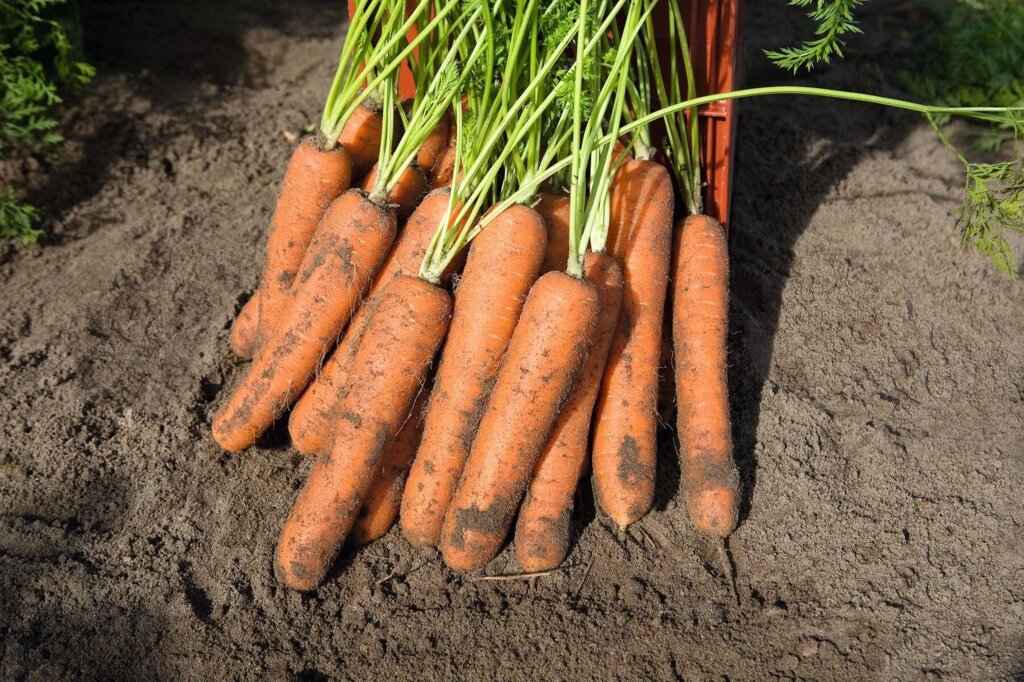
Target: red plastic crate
713, 32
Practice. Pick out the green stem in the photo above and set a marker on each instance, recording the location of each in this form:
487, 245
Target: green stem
968, 112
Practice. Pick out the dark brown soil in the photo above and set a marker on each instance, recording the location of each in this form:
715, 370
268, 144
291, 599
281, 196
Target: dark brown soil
877, 375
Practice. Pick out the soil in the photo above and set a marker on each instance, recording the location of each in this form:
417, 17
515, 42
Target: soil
877, 374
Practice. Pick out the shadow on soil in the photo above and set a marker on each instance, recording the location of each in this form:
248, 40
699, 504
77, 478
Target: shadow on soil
177, 55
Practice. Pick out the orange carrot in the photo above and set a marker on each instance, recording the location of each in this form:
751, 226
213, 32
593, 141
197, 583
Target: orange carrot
554, 208
548, 348
626, 419
409, 320
243, 331
444, 167
407, 192
311, 418
312, 181
435, 145
361, 138
346, 251
380, 510
542, 531
700, 323
503, 262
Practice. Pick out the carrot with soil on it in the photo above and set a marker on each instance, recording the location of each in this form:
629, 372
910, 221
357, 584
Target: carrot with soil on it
626, 417
624, 455
321, 168
316, 176
405, 325
542, 530
346, 251
548, 349
503, 262
404, 330
700, 310
700, 328
310, 421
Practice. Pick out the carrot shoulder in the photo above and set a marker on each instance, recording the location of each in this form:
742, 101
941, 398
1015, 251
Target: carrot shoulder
408, 322
361, 138
554, 208
549, 346
700, 323
310, 422
542, 530
443, 171
435, 145
407, 192
625, 418
347, 250
503, 263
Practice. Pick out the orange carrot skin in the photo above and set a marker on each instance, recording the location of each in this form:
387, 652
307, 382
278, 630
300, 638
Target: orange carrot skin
391, 364
311, 418
406, 193
444, 168
361, 139
542, 530
312, 181
554, 208
625, 418
346, 251
503, 263
700, 324
243, 331
380, 510
548, 348
435, 145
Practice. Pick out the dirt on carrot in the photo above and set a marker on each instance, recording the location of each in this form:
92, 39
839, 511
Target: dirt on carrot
547, 350
626, 418
395, 353
503, 263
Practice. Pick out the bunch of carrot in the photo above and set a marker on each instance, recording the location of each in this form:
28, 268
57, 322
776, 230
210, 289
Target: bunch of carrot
521, 175
549, 350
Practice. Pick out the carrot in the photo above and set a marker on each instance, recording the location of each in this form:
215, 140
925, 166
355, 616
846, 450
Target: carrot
625, 429
407, 192
243, 330
549, 346
380, 510
542, 531
435, 145
312, 181
409, 320
346, 251
503, 263
700, 322
310, 421
361, 138
554, 208
444, 167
